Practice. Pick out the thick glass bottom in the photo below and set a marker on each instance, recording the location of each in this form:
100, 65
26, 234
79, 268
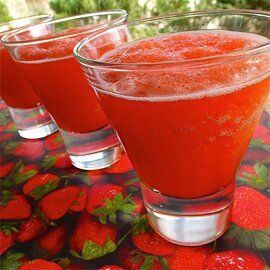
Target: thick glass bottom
34, 123
93, 150
189, 222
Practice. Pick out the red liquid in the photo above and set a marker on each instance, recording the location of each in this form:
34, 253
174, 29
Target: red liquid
15, 89
181, 141
61, 85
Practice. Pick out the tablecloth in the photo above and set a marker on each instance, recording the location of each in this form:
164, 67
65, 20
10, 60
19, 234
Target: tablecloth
55, 216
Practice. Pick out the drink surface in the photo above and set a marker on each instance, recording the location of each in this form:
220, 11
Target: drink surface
15, 89
61, 85
186, 129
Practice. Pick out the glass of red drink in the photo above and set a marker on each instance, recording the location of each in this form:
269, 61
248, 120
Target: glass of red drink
184, 93
44, 53
29, 115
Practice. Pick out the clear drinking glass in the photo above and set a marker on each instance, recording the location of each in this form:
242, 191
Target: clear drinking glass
184, 105
44, 52
29, 115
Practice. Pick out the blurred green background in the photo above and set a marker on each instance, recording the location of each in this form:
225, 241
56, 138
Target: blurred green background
136, 8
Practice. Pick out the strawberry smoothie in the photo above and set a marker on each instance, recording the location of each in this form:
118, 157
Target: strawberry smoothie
187, 128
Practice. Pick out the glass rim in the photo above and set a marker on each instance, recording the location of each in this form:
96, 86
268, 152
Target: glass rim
123, 15
216, 58
11, 30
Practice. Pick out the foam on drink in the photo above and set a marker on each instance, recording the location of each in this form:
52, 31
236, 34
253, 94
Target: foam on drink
181, 81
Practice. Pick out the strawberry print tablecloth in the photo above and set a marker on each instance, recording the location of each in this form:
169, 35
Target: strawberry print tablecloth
54, 216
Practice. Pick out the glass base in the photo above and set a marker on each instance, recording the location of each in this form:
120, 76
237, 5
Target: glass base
38, 132
97, 160
34, 123
189, 222
93, 150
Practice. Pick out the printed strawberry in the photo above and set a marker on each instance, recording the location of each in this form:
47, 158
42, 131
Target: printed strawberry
14, 206
192, 258
57, 160
19, 174
40, 185
251, 220
30, 149
6, 168
136, 259
111, 267
40, 264
5, 136
54, 142
12, 261
147, 240
91, 239
79, 204
233, 260
256, 176
57, 203
251, 209
121, 166
53, 241
6, 240
29, 229
106, 199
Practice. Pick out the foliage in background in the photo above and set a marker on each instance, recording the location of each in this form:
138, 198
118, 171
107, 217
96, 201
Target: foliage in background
146, 8
4, 14
71, 7
135, 8
140, 8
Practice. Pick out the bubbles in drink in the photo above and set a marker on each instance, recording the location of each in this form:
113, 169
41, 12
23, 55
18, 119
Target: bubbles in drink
175, 76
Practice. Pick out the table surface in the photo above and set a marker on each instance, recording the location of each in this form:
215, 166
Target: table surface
56, 212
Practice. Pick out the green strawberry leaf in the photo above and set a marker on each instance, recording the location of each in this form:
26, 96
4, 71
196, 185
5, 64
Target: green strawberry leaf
8, 227
10, 261
259, 143
108, 203
23, 177
250, 239
92, 250
9, 147
131, 181
112, 207
266, 267
128, 207
4, 117
118, 199
261, 170
6, 183
140, 225
5, 198
102, 219
40, 191
17, 167
48, 162
163, 262
63, 262
112, 218
148, 262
